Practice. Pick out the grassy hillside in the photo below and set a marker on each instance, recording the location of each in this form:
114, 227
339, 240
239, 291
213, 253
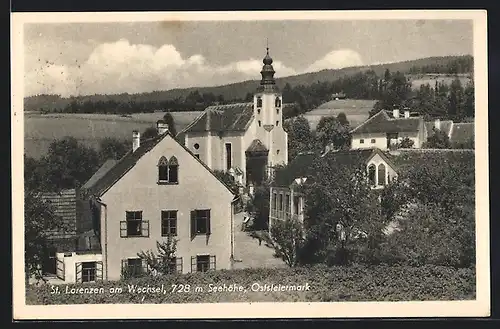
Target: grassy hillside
356, 111
240, 89
41, 130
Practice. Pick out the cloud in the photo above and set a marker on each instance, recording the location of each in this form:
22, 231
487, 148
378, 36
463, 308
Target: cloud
119, 67
336, 59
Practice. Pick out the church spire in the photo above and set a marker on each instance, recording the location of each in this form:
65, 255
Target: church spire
267, 82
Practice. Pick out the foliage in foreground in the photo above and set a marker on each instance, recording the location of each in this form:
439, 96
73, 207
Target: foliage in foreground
327, 284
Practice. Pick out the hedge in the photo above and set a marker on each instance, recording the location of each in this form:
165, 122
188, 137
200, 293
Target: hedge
326, 284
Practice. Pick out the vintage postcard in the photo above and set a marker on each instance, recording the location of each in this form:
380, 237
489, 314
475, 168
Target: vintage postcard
250, 165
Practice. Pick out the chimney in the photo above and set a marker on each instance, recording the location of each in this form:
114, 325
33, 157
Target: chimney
395, 113
437, 124
136, 140
162, 127
407, 114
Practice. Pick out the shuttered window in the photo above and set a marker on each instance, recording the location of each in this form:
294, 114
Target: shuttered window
203, 263
200, 222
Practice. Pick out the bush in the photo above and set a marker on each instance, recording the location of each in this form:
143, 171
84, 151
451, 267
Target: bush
327, 284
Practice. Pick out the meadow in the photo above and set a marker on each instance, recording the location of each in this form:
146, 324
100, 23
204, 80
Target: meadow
41, 129
356, 111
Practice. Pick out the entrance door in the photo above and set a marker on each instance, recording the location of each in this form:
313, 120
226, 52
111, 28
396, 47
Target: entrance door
49, 265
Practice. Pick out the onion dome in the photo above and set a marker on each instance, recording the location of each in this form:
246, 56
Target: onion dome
267, 82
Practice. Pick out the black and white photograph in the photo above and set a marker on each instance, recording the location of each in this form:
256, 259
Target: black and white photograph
258, 164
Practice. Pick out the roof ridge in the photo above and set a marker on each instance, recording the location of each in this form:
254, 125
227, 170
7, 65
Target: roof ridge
368, 120
198, 118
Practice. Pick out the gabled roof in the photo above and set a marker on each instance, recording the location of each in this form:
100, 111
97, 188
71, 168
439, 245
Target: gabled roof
383, 122
129, 160
353, 157
99, 173
462, 132
445, 126
64, 205
229, 117
257, 146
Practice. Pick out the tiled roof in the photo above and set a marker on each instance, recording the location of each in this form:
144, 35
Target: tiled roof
230, 117
462, 132
99, 173
298, 167
257, 146
350, 157
406, 159
382, 122
445, 126
130, 159
64, 205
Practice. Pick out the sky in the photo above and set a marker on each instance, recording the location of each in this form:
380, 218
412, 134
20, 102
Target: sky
73, 59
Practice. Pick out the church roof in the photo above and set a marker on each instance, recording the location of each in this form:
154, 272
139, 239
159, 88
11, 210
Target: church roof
230, 117
257, 146
382, 122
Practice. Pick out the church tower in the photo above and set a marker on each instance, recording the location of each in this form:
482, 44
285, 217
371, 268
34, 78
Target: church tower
268, 112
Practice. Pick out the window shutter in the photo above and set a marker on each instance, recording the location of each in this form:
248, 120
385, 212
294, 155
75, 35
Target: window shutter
208, 222
98, 270
123, 229
193, 224
178, 261
193, 264
212, 262
78, 272
145, 228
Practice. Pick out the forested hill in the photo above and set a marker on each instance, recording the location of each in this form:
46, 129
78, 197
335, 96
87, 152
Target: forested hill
240, 91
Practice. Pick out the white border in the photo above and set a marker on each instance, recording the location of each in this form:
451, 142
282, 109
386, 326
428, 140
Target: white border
477, 308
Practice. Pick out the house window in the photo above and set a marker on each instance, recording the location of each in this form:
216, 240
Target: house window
296, 201
277, 123
277, 102
259, 102
274, 201
287, 203
280, 203
277, 151
134, 267
168, 222
361, 141
381, 174
200, 222
88, 271
168, 170
258, 111
371, 174
259, 123
277, 111
373, 141
228, 156
202, 263
196, 146
134, 226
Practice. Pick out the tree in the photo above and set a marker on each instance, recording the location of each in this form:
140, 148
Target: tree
406, 143
438, 140
330, 130
69, 164
258, 207
169, 119
336, 221
342, 119
39, 220
299, 136
161, 262
150, 132
288, 240
112, 148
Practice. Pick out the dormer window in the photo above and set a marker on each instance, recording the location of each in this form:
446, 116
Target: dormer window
259, 102
277, 102
168, 170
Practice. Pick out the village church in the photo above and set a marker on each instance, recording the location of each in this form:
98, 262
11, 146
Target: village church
244, 139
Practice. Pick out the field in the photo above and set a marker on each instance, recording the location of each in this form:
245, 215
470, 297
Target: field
356, 111
41, 129
422, 79
318, 284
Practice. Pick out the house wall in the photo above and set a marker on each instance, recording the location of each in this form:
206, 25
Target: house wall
380, 141
138, 190
377, 160
70, 261
275, 214
414, 136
